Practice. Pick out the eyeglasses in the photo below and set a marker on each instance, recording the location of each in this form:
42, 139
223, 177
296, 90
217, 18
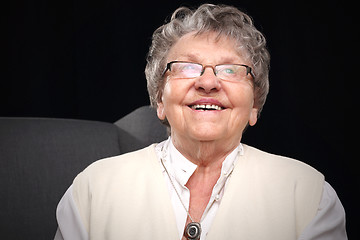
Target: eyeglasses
228, 72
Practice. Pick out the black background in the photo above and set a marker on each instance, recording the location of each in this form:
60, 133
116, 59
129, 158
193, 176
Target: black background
85, 60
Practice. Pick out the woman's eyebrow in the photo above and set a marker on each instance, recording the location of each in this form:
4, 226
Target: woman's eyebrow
193, 57
189, 57
229, 60
196, 58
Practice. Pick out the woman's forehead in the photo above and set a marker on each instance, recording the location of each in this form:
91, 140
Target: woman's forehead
207, 46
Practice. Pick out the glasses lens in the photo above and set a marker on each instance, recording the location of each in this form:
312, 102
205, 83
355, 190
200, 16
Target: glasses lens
231, 72
185, 70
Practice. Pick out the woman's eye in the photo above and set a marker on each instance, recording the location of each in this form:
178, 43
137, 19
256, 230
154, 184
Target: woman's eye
188, 67
229, 71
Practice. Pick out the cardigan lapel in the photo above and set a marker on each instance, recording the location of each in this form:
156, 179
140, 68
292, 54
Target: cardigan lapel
243, 211
163, 205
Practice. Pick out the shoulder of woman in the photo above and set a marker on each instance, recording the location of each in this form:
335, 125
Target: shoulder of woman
123, 166
279, 164
122, 161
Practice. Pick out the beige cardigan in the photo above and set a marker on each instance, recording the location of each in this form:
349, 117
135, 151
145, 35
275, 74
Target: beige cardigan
267, 197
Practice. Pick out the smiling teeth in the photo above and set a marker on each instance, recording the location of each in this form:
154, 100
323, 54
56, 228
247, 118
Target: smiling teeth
206, 107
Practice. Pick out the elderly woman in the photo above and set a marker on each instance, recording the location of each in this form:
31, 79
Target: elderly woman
207, 73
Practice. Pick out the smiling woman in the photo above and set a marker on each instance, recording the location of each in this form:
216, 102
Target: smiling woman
207, 75
235, 99
234, 24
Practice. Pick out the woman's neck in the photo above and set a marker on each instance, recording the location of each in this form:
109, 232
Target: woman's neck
207, 155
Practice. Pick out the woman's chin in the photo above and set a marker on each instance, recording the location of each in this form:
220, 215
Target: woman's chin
206, 133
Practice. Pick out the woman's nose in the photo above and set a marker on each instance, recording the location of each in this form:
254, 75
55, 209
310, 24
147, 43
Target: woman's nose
208, 82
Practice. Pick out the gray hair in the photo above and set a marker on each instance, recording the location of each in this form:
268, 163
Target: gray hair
225, 21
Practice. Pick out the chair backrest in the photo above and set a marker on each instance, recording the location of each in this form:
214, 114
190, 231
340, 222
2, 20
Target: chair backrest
142, 128
39, 158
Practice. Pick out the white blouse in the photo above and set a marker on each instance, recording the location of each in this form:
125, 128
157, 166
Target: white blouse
328, 224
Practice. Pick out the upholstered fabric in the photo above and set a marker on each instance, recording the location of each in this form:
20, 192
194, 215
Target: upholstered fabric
39, 158
140, 129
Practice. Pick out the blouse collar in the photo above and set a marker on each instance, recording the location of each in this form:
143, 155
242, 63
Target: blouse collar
181, 168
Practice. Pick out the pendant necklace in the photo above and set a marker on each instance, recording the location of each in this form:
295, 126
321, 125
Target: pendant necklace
193, 229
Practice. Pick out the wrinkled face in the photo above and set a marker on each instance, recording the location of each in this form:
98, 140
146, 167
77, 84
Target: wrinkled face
206, 108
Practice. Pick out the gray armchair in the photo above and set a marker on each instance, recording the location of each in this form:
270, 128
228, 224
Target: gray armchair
143, 127
40, 157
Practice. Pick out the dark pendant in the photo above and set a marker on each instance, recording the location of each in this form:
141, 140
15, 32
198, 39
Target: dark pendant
193, 230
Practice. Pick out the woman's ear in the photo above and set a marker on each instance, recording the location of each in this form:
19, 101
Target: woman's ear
253, 116
160, 111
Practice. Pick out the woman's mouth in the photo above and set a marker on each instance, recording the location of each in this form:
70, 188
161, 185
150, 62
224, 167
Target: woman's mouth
206, 107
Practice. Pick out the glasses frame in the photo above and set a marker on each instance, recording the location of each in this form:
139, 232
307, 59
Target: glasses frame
248, 69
